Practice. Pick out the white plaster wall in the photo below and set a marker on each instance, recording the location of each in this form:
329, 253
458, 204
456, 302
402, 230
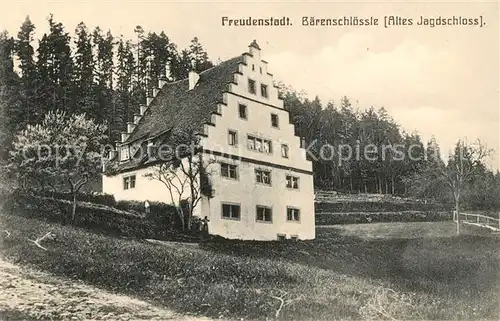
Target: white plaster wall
245, 191
145, 188
248, 194
258, 122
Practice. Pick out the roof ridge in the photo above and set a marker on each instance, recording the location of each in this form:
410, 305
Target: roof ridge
183, 105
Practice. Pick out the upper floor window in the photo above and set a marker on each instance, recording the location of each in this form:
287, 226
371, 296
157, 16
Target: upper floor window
253, 67
259, 144
242, 110
292, 214
292, 182
229, 170
263, 90
263, 176
264, 214
129, 182
251, 86
231, 211
260, 69
284, 151
124, 153
232, 137
274, 120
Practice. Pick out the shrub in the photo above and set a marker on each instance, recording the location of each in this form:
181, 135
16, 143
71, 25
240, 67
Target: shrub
99, 218
377, 207
104, 199
381, 217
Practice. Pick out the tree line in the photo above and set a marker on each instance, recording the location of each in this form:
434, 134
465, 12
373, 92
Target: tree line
418, 170
107, 77
94, 72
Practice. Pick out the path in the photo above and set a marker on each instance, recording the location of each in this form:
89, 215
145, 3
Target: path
26, 294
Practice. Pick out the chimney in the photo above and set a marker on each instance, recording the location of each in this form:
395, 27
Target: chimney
112, 154
193, 79
162, 81
130, 127
143, 109
137, 118
254, 49
124, 137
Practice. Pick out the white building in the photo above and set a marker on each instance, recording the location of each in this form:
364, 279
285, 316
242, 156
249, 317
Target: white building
261, 181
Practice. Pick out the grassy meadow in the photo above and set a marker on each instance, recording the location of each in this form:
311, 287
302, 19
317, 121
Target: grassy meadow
382, 271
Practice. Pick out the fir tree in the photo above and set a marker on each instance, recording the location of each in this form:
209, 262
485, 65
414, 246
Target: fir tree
25, 54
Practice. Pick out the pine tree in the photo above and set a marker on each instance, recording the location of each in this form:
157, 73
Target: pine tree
55, 70
25, 54
10, 101
85, 92
104, 77
181, 65
199, 56
122, 106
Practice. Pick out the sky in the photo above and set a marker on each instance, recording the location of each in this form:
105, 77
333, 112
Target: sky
441, 81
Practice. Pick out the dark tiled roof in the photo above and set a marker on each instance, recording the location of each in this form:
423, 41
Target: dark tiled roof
176, 106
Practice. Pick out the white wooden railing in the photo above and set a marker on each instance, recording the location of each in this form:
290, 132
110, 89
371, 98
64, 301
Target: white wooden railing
478, 220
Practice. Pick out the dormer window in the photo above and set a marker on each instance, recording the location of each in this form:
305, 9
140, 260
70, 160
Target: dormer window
251, 86
263, 90
124, 153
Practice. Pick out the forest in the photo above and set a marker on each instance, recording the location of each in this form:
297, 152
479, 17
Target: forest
107, 77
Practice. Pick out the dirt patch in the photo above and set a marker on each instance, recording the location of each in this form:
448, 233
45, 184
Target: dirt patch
37, 295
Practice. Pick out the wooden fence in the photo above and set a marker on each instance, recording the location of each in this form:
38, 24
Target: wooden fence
478, 220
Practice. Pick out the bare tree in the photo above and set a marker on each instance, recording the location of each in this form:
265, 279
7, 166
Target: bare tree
184, 173
461, 168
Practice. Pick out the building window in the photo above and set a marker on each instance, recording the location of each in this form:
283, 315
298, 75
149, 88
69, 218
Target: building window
242, 109
292, 214
284, 150
129, 182
264, 214
262, 176
259, 144
292, 182
260, 69
274, 120
124, 153
229, 170
251, 86
231, 211
263, 90
253, 67
232, 137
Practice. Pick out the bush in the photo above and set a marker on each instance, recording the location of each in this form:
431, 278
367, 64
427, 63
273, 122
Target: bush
104, 199
381, 217
99, 218
377, 207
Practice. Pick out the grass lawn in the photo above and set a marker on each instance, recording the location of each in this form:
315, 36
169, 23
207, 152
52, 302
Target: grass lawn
376, 271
